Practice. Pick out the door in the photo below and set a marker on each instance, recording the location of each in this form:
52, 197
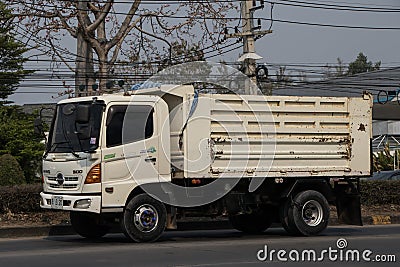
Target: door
130, 151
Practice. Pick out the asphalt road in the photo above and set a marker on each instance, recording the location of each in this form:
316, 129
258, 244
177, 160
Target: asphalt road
208, 248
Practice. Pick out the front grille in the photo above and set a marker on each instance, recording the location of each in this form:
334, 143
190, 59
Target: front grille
70, 182
65, 186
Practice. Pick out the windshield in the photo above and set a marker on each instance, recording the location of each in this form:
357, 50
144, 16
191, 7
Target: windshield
76, 127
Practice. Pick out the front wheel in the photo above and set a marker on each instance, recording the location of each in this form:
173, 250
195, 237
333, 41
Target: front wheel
144, 219
88, 225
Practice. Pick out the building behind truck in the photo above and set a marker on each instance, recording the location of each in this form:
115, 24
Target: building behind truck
147, 159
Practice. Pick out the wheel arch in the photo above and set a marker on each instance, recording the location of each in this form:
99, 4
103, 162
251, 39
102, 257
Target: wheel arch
320, 185
136, 191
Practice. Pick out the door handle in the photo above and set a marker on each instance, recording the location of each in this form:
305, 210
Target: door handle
150, 159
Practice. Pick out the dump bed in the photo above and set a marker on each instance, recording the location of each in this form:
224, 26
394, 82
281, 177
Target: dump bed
230, 135
269, 136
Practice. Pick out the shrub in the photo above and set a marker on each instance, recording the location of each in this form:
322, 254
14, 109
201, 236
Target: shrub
10, 171
22, 198
380, 192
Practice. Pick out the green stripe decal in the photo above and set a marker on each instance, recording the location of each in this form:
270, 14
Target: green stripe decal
109, 156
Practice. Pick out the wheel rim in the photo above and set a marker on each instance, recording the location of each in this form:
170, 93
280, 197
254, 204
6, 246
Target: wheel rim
312, 213
146, 218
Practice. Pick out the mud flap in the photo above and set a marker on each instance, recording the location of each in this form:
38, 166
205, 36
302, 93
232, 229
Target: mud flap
348, 203
171, 218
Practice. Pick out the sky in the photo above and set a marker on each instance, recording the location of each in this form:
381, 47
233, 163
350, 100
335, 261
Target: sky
294, 43
303, 44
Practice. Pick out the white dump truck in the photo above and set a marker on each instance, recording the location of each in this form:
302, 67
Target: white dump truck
149, 158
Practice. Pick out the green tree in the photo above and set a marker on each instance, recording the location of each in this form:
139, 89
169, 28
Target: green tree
361, 64
384, 160
16, 139
11, 55
10, 171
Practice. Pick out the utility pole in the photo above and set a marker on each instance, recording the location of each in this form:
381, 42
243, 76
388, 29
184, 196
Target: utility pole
248, 34
249, 43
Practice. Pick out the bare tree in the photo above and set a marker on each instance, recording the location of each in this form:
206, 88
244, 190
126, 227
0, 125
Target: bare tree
282, 78
339, 69
120, 31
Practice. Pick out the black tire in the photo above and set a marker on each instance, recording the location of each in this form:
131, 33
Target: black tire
88, 225
144, 219
308, 214
286, 220
254, 223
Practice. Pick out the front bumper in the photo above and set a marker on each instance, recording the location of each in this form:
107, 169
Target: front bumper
70, 202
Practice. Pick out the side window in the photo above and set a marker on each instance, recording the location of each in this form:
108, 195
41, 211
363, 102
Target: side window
128, 124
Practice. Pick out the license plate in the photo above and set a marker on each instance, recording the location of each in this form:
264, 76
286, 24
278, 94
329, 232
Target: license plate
57, 202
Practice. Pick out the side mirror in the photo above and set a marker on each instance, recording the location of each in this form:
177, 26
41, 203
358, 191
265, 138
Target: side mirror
82, 114
38, 126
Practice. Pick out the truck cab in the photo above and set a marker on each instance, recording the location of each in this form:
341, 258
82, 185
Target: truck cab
86, 168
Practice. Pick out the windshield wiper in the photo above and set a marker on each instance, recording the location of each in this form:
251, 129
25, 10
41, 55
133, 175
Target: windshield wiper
74, 153
55, 145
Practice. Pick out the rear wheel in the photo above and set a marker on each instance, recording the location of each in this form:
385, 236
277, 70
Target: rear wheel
144, 219
307, 214
88, 225
251, 223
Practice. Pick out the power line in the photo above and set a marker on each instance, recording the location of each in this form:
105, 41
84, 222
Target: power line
177, 58
235, 18
335, 7
331, 25
294, 64
347, 3
316, 4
